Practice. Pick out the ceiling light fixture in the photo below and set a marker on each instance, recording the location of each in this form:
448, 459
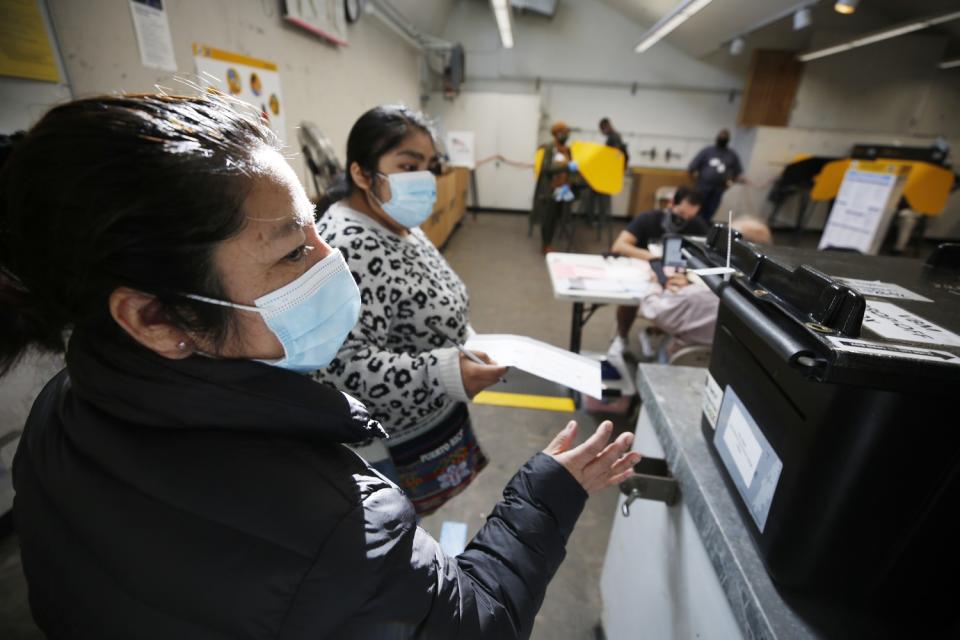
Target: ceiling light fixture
501, 12
681, 13
736, 46
846, 7
877, 36
949, 64
802, 19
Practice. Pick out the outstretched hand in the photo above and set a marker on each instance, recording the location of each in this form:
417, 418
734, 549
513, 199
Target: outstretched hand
595, 464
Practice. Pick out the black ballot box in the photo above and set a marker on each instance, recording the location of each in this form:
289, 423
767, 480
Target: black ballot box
832, 405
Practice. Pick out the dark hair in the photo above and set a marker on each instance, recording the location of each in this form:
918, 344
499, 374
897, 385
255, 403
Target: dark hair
113, 191
377, 132
690, 194
604, 122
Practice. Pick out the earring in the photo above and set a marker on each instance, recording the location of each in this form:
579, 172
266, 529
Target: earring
182, 345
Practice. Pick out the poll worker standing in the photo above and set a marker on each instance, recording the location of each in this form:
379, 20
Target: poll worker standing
680, 218
401, 359
713, 170
553, 192
182, 478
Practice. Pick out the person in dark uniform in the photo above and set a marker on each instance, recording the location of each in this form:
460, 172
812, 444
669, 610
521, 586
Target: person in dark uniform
633, 242
713, 170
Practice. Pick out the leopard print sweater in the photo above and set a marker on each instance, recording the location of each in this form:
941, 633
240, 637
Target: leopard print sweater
408, 377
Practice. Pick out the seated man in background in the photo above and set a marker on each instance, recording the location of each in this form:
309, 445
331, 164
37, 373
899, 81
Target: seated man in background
682, 308
634, 242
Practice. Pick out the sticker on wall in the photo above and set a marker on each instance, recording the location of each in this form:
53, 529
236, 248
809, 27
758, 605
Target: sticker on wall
233, 82
263, 79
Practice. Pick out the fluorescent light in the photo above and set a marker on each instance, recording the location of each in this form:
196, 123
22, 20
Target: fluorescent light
501, 12
846, 7
878, 36
736, 46
669, 22
949, 64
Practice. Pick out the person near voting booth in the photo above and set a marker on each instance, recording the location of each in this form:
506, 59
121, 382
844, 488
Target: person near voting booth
648, 227
400, 360
552, 191
714, 169
183, 477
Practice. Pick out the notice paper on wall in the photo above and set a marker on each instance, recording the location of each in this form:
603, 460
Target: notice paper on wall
542, 360
856, 219
878, 289
153, 34
889, 321
26, 51
460, 149
255, 81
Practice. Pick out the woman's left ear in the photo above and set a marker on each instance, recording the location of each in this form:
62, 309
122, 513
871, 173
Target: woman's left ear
142, 316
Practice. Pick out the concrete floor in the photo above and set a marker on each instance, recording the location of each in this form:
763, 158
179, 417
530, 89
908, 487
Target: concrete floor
510, 293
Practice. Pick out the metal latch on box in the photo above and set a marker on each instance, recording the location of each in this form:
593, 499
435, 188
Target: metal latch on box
652, 481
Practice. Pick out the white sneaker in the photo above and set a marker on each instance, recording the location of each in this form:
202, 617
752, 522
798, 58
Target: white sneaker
617, 347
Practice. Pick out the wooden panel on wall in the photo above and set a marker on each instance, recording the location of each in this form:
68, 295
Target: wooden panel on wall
771, 88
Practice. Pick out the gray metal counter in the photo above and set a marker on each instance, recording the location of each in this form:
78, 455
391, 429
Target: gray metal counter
672, 401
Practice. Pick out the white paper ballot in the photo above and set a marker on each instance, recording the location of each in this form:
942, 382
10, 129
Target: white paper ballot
542, 360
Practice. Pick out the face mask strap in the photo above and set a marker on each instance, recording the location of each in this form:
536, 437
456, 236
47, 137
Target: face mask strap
223, 303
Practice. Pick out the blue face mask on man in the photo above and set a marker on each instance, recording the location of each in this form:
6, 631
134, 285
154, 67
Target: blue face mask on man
310, 316
412, 196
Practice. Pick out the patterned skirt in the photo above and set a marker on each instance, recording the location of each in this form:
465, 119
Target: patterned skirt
440, 463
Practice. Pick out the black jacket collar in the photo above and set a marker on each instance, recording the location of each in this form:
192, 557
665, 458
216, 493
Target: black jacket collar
138, 386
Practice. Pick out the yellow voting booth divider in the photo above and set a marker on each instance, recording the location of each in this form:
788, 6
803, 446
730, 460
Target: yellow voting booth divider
601, 166
926, 188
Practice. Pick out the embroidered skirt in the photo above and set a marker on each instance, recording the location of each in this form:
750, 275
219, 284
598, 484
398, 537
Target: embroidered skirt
439, 463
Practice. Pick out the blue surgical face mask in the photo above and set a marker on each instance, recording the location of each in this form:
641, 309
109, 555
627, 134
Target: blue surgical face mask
310, 316
412, 195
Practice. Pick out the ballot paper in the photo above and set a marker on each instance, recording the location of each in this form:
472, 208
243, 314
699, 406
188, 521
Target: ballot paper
542, 360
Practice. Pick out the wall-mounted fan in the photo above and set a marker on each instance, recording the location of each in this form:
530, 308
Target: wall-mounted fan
320, 156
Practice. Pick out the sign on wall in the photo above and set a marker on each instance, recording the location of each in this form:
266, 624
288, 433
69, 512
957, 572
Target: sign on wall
252, 80
460, 149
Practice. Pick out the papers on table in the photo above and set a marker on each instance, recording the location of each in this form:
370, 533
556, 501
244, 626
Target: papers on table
582, 275
542, 360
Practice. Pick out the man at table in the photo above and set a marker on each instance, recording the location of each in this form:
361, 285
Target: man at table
634, 241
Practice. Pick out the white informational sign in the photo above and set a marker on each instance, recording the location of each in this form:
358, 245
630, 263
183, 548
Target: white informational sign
901, 351
893, 323
543, 360
153, 34
252, 80
857, 218
712, 399
878, 289
743, 445
461, 149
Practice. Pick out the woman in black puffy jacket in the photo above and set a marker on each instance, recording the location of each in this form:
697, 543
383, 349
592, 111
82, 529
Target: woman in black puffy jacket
181, 478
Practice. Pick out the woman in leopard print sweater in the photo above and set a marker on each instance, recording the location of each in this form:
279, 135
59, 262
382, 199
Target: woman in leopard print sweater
412, 381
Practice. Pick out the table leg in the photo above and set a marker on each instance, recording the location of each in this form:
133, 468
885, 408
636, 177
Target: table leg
576, 328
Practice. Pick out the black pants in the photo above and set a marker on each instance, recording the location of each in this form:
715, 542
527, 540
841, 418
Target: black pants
549, 217
711, 201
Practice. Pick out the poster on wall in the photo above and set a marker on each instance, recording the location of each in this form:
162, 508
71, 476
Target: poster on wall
153, 34
323, 18
252, 80
460, 149
26, 50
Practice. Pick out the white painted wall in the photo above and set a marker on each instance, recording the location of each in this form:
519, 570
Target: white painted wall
503, 124
328, 85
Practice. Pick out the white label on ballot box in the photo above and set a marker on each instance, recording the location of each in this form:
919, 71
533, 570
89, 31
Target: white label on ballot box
712, 397
893, 323
878, 289
887, 350
743, 445
749, 458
